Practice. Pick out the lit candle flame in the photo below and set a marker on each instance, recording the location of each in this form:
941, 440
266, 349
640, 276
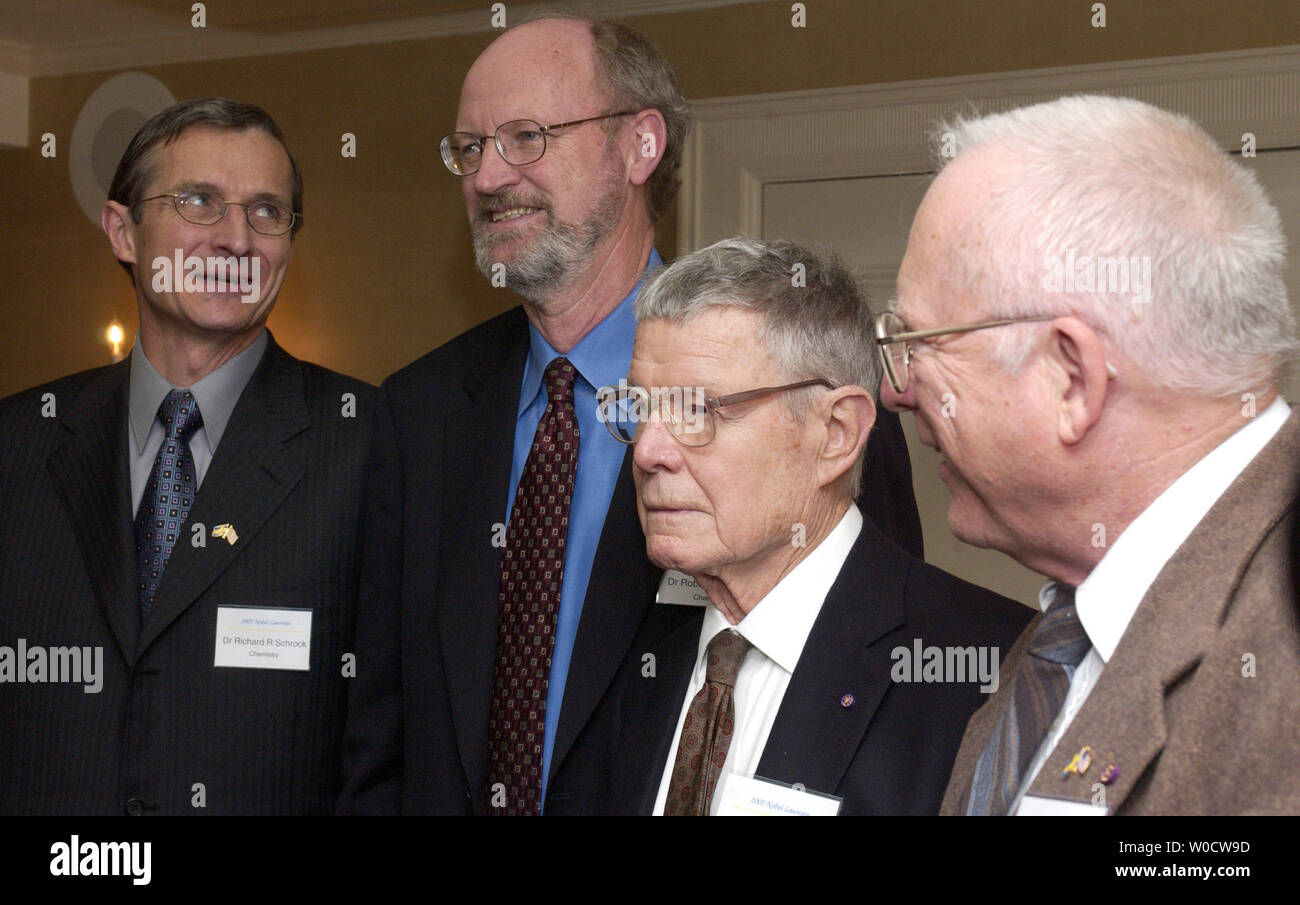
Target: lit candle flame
115, 336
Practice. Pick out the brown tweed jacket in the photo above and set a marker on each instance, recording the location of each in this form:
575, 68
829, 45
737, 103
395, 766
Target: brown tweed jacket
1199, 707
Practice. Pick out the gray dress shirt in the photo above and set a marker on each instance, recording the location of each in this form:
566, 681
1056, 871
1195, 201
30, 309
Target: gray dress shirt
216, 395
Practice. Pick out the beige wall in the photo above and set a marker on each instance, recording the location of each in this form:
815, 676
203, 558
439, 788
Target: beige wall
382, 269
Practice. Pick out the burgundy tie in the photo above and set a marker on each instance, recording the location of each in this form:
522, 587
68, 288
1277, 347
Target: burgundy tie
532, 573
707, 730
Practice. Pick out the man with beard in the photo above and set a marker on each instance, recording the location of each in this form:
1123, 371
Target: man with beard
505, 570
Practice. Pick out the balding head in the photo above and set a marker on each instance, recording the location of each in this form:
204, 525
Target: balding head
1134, 218
539, 70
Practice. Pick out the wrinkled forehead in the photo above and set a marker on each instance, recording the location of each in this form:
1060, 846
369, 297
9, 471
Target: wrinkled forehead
256, 160
544, 71
718, 348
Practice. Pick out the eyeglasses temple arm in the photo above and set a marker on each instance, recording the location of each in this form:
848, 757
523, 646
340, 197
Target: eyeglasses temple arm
944, 331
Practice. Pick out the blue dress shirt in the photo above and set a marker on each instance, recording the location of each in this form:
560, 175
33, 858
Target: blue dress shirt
601, 358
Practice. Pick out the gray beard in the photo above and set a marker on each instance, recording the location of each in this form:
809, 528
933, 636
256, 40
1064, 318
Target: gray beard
556, 257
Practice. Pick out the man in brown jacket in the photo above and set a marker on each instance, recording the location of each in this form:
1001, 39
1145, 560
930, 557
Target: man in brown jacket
1091, 326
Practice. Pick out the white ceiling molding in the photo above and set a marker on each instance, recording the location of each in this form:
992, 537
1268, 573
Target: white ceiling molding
739, 144
159, 45
15, 107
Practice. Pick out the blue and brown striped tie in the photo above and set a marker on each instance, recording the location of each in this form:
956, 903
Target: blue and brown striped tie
1039, 687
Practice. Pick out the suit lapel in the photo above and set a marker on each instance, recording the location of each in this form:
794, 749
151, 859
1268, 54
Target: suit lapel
1123, 719
841, 656
654, 705
476, 475
619, 592
93, 478
254, 469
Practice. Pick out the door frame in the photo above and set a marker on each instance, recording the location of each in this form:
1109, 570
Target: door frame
739, 144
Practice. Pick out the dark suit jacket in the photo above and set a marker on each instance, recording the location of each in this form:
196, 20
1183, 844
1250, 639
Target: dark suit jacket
890, 752
1198, 705
287, 476
427, 626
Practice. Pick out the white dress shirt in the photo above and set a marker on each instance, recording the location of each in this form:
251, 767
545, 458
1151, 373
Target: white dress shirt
1108, 597
777, 627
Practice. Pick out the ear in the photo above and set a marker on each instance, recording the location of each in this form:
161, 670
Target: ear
120, 227
1076, 352
650, 136
849, 420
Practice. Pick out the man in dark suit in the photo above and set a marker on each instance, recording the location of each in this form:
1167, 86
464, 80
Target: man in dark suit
1119, 428
827, 662
178, 529
484, 648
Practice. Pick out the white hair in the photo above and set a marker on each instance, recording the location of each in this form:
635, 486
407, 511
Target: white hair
1110, 181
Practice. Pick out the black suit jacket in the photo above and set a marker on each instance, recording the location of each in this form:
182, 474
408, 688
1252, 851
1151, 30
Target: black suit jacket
417, 738
287, 476
889, 752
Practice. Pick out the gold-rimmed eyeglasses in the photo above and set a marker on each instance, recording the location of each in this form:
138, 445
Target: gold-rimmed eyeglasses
520, 142
894, 341
270, 218
688, 412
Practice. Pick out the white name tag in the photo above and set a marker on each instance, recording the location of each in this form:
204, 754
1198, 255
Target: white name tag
1037, 806
679, 588
751, 796
257, 638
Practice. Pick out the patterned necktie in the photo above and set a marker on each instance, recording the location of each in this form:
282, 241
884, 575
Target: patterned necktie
707, 730
1058, 644
168, 496
532, 573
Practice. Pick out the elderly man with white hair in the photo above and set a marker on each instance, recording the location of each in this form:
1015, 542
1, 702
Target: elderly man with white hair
829, 671
1117, 427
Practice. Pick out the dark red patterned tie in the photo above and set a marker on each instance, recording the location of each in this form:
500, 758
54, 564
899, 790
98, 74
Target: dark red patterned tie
707, 731
532, 572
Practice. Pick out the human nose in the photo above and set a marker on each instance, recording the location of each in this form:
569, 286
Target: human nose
232, 233
654, 446
494, 171
895, 401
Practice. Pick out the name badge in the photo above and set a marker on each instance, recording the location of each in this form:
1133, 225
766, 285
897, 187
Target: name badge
257, 638
753, 796
1038, 806
679, 588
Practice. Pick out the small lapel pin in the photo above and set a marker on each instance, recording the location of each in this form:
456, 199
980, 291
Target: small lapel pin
846, 701
227, 531
1079, 763
1109, 774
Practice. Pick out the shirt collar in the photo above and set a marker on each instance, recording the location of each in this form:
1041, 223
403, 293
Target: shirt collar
601, 357
216, 393
780, 623
1109, 596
